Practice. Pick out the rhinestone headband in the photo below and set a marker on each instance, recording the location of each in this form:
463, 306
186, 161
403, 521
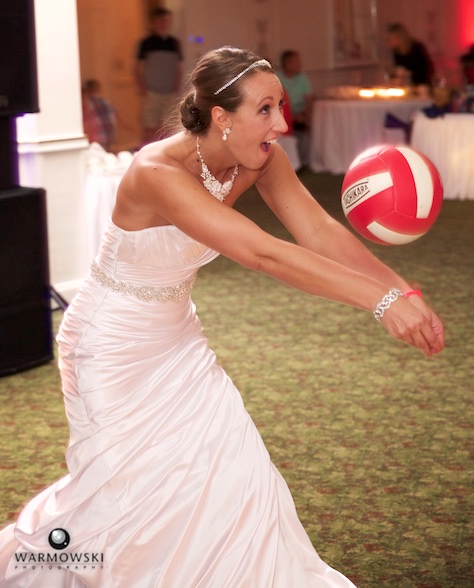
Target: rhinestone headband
258, 63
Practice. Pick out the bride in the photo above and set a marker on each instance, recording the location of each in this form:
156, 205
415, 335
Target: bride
169, 482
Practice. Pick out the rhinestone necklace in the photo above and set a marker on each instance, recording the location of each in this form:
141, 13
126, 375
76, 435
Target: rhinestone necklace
212, 185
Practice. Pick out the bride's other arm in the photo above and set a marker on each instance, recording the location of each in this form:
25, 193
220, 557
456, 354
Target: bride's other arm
170, 192
314, 229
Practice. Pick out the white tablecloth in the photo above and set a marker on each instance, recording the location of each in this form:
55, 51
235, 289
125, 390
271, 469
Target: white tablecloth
448, 142
341, 129
290, 146
104, 173
101, 189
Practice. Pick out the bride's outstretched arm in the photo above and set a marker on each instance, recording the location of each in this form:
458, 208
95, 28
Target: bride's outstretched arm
317, 231
178, 198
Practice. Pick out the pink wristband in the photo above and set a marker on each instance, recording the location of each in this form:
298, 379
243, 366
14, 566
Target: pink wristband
413, 293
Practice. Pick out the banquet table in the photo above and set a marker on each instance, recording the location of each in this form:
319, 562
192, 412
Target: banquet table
104, 174
290, 146
448, 141
341, 129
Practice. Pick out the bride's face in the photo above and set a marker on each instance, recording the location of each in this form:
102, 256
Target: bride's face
259, 121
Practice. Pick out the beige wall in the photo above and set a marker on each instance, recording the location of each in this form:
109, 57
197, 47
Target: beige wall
109, 32
51, 143
98, 38
435, 22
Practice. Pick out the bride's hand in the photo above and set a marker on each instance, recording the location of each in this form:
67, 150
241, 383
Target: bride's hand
412, 320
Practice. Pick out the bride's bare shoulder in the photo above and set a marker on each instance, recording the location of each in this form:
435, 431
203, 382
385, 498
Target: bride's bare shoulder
168, 154
151, 177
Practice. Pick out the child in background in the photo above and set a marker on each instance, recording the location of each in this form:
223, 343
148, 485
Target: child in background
99, 116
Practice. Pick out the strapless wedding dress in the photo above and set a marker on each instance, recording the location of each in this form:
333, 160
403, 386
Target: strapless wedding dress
169, 483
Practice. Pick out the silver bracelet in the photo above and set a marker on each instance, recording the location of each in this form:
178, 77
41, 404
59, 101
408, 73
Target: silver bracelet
386, 302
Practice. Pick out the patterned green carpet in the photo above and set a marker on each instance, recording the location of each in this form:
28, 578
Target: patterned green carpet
374, 440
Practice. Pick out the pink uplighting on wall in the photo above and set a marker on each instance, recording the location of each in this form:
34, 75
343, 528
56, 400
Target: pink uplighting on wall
466, 13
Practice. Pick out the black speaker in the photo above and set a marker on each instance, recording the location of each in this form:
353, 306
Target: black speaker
18, 73
25, 303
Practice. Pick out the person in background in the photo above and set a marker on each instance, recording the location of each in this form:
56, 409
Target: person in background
158, 73
300, 94
467, 66
287, 115
98, 115
410, 56
466, 62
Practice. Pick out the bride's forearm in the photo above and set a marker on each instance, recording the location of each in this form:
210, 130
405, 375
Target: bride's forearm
327, 278
335, 242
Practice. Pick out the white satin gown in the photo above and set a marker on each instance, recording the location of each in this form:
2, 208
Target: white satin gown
169, 483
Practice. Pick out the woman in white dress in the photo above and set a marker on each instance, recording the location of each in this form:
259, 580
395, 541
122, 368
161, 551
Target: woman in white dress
169, 482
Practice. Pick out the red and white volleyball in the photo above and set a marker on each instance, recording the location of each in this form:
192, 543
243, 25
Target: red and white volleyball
392, 195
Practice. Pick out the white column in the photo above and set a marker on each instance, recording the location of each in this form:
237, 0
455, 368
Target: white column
51, 144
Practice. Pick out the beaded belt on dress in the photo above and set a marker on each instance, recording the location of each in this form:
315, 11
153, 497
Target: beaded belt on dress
145, 293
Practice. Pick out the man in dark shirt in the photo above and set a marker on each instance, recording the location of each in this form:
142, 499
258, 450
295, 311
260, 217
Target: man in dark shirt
411, 55
158, 74
467, 66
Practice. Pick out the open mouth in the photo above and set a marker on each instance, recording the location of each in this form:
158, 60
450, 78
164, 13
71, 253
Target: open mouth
266, 145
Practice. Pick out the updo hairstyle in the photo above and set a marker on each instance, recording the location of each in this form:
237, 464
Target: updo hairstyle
213, 70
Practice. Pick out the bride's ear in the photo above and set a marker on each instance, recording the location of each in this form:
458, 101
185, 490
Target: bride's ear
220, 118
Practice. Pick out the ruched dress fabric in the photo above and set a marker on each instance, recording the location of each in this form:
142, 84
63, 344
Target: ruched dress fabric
169, 482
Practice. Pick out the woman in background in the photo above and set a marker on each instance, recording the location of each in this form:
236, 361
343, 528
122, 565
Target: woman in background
410, 55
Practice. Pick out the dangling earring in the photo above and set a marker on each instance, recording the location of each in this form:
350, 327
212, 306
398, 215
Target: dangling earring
225, 134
